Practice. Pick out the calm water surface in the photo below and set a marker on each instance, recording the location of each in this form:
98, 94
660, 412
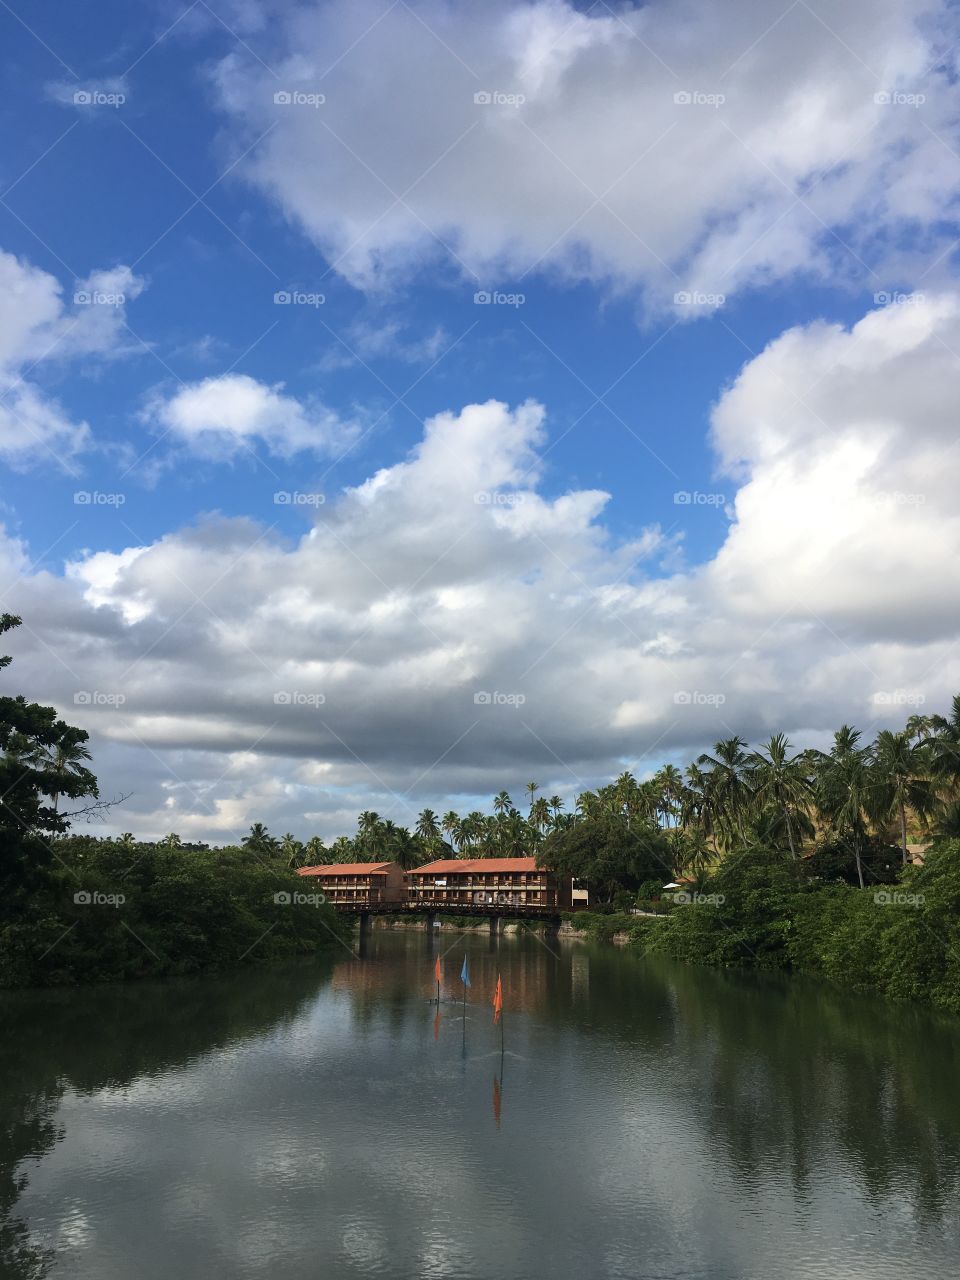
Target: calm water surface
644, 1120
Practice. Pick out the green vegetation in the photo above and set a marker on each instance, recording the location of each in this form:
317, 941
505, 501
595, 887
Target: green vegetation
900, 939
788, 860
74, 909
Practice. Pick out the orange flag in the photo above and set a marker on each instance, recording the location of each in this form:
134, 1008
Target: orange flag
437, 971
498, 1001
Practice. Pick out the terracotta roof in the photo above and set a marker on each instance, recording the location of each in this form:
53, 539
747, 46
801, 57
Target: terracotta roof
346, 869
476, 864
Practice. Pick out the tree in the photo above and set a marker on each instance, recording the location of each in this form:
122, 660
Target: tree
609, 852
781, 781
842, 790
292, 850
452, 827
899, 779
727, 789
260, 841
428, 831
32, 738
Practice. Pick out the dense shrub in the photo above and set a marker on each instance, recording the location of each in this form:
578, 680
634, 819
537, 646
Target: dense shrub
108, 912
902, 939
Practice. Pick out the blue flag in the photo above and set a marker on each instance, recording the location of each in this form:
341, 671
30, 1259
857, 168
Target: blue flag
465, 973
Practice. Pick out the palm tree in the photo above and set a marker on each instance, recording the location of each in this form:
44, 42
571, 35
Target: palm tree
260, 840
428, 830
451, 825
172, 841
781, 781
945, 747
127, 840
540, 814
843, 789
315, 851
292, 850
502, 802
532, 789
669, 782
899, 779
66, 758
556, 806
727, 788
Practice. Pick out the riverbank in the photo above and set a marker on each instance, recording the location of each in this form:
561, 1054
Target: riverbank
901, 940
104, 914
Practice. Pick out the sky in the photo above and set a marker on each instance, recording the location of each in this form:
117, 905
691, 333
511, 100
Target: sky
401, 401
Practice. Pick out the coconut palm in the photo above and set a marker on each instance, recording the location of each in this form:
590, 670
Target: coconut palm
945, 747
899, 779
292, 850
452, 826
315, 851
843, 788
428, 830
64, 759
781, 782
260, 840
727, 789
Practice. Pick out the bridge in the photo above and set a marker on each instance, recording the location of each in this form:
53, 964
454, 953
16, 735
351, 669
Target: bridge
493, 912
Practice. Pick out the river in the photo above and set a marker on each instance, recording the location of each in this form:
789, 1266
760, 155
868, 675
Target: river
629, 1118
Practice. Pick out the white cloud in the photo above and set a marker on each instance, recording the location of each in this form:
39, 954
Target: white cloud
266, 682
222, 416
599, 173
38, 326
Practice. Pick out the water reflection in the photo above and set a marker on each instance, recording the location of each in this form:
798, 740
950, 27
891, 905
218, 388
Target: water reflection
626, 1117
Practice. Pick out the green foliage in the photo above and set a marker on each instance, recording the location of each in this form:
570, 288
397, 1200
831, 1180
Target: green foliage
611, 850
114, 913
901, 940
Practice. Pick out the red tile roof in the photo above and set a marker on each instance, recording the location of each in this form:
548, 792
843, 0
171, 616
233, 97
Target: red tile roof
346, 869
476, 864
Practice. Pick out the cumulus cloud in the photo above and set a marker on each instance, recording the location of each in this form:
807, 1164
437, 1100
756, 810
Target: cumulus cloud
449, 626
221, 416
694, 148
37, 326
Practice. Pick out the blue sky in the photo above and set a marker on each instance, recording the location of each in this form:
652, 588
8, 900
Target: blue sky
144, 155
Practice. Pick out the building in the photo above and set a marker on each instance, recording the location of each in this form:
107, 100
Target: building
359, 884
510, 883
